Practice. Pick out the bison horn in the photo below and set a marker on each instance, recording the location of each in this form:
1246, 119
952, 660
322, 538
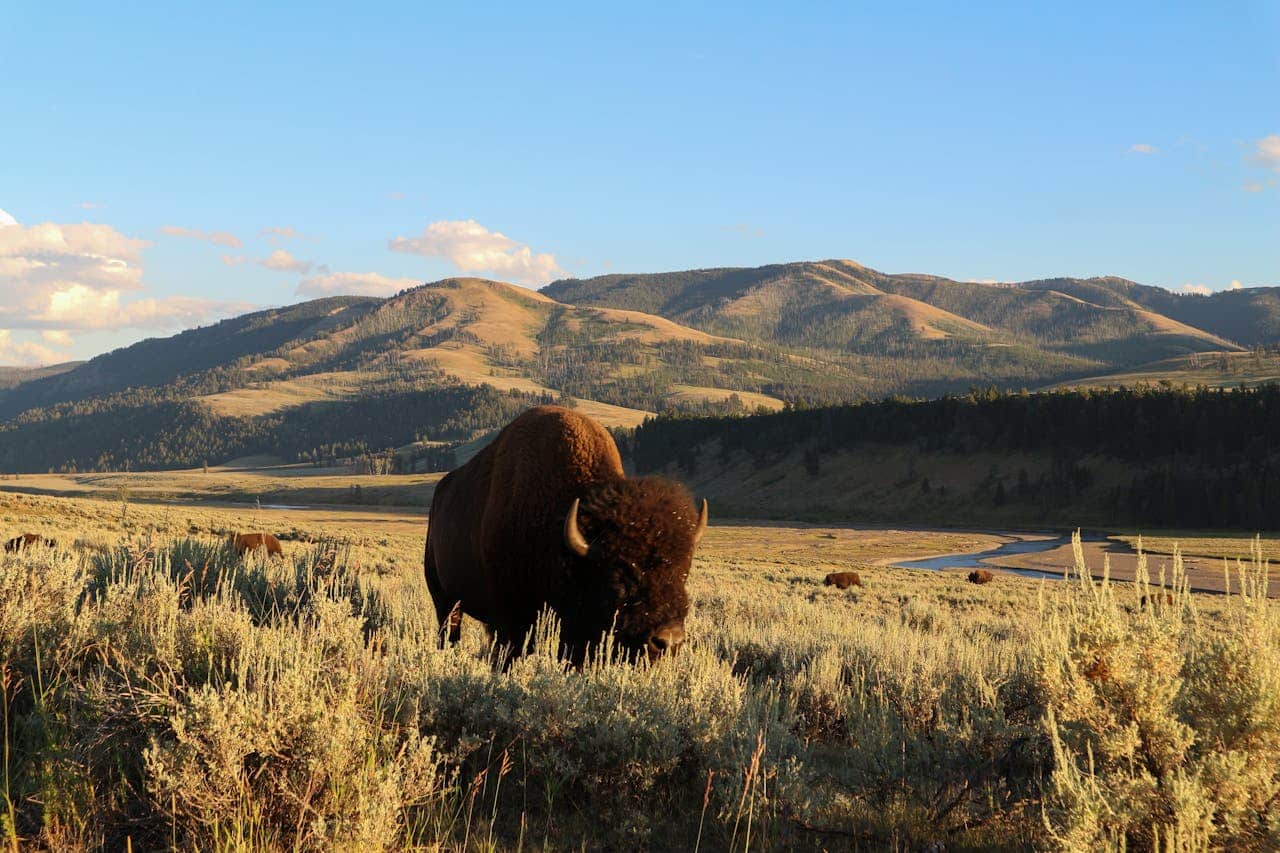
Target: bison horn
703, 518
573, 537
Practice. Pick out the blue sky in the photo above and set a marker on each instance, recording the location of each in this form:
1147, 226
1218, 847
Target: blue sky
526, 142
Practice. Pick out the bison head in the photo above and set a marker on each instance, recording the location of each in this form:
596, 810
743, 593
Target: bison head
631, 545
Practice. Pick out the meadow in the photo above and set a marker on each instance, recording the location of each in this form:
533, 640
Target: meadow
160, 692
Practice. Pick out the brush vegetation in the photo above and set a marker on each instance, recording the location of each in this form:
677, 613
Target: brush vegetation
160, 692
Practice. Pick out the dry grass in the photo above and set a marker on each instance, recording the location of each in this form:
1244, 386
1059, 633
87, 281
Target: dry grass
159, 692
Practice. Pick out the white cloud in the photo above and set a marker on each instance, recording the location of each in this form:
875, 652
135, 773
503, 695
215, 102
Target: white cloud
6, 219
56, 337
91, 205
1252, 187
86, 276
282, 261
1235, 285
355, 283
1266, 152
26, 353
1192, 289
276, 233
472, 248
233, 260
218, 238
1143, 148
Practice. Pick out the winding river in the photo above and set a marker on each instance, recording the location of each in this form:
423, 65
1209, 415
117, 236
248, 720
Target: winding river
979, 559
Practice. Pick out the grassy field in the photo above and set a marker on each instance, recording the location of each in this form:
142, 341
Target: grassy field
160, 692
1212, 369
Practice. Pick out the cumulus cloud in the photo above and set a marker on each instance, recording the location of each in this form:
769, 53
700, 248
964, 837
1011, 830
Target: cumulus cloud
1143, 148
27, 353
1235, 285
1266, 152
282, 261
86, 276
276, 233
1192, 289
355, 283
472, 248
6, 219
56, 337
279, 260
218, 238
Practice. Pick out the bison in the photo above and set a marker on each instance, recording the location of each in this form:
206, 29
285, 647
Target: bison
980, 576
27, 540
246, 542
544, 517
842, 580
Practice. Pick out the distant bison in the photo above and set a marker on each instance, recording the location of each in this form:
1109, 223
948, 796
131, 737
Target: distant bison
842, 580
544, 517
246, 542
1156, 598
27, 540
980, 576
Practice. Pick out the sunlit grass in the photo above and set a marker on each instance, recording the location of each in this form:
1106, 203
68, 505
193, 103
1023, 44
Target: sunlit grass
160, 692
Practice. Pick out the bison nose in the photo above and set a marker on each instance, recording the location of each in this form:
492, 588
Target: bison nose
666, 639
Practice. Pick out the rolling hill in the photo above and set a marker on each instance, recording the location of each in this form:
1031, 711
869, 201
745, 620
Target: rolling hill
844, 305
436, 366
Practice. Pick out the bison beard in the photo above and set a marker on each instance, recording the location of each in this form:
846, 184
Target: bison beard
544, 517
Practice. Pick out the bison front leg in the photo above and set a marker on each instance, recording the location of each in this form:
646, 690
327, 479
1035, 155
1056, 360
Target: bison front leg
450, 624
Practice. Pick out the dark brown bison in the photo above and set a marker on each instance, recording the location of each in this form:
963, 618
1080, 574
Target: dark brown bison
1156, 598
246, 542
27, 540
980, 576
842, 580
544, 517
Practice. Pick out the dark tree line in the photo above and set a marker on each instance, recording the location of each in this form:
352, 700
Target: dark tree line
1196, 457
136, 432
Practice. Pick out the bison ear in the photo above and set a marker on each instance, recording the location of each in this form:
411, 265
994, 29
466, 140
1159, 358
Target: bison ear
573, 538
703, 518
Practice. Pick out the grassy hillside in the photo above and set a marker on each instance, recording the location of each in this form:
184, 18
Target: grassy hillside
315, 381
1211, 370
11, 377
841, 304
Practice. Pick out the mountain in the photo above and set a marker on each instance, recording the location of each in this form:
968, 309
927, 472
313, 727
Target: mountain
441, 364
844, 305
11, 377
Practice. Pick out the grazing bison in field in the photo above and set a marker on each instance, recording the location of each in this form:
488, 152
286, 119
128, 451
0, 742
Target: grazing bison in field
27, 540
544, 517
246, 542
1156, 598
980, 576
842, 580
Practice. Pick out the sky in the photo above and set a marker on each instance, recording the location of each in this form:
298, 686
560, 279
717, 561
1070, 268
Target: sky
163, 167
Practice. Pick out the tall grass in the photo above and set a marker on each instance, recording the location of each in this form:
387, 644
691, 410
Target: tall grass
170, 695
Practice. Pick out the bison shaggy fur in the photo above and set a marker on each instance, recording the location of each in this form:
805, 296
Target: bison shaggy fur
544, 517
980, 576
27, 540
842, 580
246, 542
